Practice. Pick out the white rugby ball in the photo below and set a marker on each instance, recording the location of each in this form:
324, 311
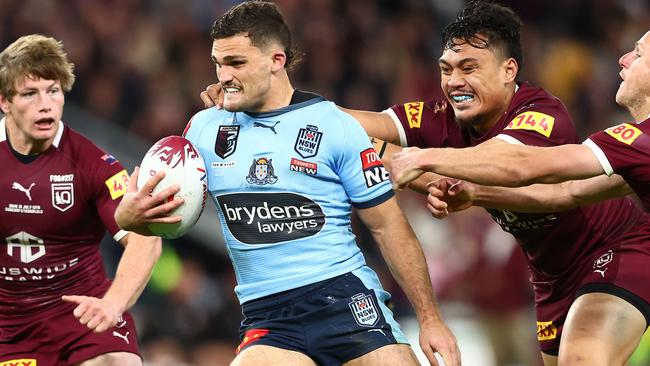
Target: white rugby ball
183, 165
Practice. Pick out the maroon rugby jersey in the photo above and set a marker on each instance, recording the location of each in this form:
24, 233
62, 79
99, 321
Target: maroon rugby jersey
625, 150
553, 242
54, 211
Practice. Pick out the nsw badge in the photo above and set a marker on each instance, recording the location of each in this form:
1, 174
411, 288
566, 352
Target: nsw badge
308, 141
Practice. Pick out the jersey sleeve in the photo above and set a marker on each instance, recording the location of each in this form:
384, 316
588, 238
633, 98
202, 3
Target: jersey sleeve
108, 181
540, 124
619, 148
421, 124
359, 167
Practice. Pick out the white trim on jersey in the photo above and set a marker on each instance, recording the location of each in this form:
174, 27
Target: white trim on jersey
600, 155
59, 133
55, 142
509, 139
120, 234
3, 131
398, 124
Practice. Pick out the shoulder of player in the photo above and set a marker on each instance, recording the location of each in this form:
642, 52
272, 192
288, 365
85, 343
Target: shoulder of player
85, 154
529, 98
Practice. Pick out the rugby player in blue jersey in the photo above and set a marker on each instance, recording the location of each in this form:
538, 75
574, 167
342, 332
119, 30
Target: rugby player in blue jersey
285, 168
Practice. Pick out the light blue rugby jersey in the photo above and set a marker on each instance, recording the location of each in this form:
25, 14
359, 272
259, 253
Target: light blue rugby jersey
284, 183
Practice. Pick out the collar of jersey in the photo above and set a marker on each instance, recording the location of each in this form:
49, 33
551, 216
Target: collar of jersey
299, 99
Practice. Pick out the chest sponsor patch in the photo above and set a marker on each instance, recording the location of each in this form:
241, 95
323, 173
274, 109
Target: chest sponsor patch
414, 113
226, 142
306, 167
625, 133
117, 184
267, 218
546, 331
533, 121
374, 171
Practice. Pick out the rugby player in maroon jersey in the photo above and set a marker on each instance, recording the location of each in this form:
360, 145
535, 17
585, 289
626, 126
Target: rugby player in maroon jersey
614, 315
60, 191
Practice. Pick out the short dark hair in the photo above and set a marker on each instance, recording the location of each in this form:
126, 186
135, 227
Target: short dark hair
484, 24
263, 23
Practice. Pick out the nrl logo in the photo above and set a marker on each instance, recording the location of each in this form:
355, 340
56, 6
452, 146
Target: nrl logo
226, 142
364, 310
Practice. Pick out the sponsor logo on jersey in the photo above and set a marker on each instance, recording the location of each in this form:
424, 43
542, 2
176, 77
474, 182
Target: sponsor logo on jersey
251, 336
533, 121
25, 247
308, 141
516, 222
26, 191
226, 142
261, 172
267, 125
117, 184
110, 159
266, 218
414, 113
303, 166
546, 331
19, 362
223, 164
364, 310
62, 196
625, 133
374, 171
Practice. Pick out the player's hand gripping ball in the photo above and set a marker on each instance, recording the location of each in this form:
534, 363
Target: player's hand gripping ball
183, 165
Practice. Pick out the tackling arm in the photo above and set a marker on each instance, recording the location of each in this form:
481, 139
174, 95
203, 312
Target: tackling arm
499, 164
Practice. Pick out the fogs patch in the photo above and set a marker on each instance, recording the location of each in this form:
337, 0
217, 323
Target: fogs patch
364, 310
373, 170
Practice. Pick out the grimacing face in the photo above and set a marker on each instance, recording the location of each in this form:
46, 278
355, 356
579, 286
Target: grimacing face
244, 72
475, 82
34, 112
634, 91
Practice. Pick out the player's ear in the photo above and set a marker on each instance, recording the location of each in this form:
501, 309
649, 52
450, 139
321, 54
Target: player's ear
4, 104
279, 59
511, 68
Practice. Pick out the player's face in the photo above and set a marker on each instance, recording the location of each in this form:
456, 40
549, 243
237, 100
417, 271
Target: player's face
244, 72
634, 91
476, 83
33, 114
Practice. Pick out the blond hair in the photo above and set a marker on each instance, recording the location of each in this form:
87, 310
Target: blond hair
34, 56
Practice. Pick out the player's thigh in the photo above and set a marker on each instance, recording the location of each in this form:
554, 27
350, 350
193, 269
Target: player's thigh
261, 355
390, 355
549, 360
114, 359
601, 329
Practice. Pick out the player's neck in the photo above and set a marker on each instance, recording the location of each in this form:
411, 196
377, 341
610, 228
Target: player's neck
641, 112
280, 94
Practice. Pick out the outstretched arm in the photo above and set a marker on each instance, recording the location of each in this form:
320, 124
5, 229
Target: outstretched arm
406, 261
450, 195
133, 272
498, 164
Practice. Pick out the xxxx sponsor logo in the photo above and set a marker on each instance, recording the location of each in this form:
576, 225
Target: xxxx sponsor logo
546, 331
20, 362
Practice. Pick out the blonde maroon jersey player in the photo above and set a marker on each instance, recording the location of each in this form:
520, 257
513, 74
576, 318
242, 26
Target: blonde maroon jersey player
555, 243
54, 211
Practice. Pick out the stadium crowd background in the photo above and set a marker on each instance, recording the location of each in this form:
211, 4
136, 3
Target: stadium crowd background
140, 65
